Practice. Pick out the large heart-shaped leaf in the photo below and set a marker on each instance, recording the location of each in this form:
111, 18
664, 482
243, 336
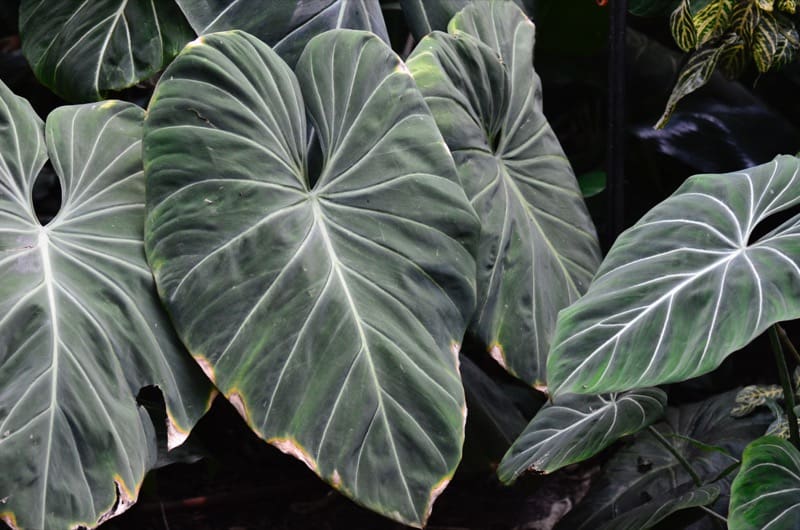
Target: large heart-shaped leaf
82, 49
538, 249
327, 305
645, 470
685, 287
286, 25
766, 492
578, 427
425, 16
81, 327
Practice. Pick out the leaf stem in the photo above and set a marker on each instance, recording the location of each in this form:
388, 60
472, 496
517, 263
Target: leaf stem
787, 343
679, 457
786, 383
711, 512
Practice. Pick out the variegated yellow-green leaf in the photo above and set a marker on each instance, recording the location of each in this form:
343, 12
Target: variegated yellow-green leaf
775, 43
790, 6
734, 57
634, 327
765, 5
753, 396
745, 20
82, 49
766, 493
578, 427
326, 302
682, 27
81, 327
713, 20
538, 248
695, 74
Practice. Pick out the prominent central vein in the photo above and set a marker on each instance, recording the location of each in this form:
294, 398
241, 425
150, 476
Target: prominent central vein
49, 282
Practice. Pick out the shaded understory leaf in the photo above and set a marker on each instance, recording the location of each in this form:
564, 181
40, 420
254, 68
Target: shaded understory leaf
81, 327
766, 493
650, 514
327, 303
538, 248
84, 49
692, 251
577, 427
645, 470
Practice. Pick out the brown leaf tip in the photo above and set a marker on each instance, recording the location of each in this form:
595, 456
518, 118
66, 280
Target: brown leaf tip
497, 353
292, 447
207, 367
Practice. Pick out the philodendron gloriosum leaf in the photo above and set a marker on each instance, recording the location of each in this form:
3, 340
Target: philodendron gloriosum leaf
538, 249
328, 307
82, 49
286, 25
685, 287
649, 514
425, 16
766, 493
81, 327
578, 427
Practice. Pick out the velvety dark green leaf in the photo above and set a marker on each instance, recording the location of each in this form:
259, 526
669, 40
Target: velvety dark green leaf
286, 25
82, 49
766, 492
81, 327
578, 427
425, 16
538, 249
685, 287
682, 27
328, 307
645, 470
650, 514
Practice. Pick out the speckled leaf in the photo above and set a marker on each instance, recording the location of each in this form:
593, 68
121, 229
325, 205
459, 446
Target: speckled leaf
652, 513
81, 327
327, 304
766, 493
286, 25
81, 49
685, 286
577, 427
538, 249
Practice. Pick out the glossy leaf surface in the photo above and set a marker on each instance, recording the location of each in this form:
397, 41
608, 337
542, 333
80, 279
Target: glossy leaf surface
81, 327
327, 304
685, 287
766, 492
286, 25
578, 427
83, 49
538, 249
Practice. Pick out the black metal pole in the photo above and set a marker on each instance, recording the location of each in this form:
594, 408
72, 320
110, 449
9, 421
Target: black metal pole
615, 172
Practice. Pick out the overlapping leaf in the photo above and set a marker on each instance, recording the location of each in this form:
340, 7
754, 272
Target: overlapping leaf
286, 25
766, 493
82, 49
685, 287
425, 16
538, 249
81, 327
652, 513
713, 20
577, 428
646, 470
682, 26
327, 304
